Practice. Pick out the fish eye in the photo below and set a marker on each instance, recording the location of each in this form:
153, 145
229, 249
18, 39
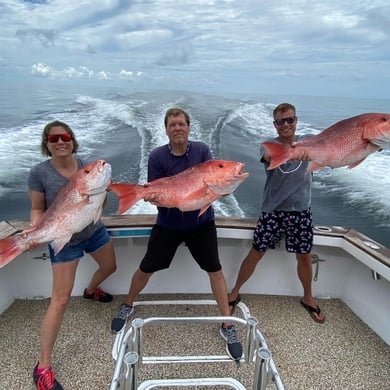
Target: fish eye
221, 165
87, 171
384, 119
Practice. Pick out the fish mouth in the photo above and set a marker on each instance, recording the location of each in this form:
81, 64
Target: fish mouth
238, 172
104, 180
102, 165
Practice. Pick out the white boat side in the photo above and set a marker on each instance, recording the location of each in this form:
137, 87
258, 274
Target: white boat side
347, 265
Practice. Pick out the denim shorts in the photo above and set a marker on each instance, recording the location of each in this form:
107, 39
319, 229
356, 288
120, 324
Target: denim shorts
295, 226
75, 252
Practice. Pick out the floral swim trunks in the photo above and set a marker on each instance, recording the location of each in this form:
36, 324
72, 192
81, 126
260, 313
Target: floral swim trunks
295, 226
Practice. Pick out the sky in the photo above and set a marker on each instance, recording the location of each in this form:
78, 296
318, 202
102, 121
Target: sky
302, 47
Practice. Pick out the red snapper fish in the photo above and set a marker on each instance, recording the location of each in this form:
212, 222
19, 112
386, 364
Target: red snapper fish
346, 143
76, 205
192, 189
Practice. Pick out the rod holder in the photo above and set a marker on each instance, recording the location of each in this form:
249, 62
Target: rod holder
262, 369
136, 340
251, 340
131, 360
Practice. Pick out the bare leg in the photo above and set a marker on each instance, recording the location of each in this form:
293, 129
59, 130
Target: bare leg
218, 286
138, 282
63, 280
305, 274
105, 258
247, 268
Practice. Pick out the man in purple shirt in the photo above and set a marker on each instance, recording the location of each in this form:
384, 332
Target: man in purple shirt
174, 227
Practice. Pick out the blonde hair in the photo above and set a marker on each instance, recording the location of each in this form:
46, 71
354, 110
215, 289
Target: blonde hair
283, 107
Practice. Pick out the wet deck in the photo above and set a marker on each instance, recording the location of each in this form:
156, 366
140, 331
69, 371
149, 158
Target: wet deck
343, 353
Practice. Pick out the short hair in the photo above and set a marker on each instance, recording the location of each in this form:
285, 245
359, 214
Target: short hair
44, 149
283, 107
176, 112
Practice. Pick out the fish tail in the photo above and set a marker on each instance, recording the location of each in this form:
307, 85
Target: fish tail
128, 195
9, 249
279, 153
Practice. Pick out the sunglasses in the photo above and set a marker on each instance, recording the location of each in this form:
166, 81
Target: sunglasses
289, 120
53, 138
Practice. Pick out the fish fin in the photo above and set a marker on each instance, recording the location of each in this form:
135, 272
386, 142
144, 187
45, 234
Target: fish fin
204, 209
59, 243
381, 143
98, 214
356, 163
279, 153
313, 166
9, 249
128, 195
219, 190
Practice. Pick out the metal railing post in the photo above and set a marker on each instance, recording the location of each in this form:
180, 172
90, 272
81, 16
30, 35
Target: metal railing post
131, 360
251, 339
262, 369
136, 341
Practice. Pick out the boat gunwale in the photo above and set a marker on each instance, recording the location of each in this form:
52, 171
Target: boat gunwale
374, 249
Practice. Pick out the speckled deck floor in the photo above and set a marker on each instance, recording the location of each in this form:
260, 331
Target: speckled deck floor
343, 353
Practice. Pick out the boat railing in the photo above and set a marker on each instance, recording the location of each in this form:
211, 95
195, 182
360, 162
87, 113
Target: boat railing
369, 252
128, 353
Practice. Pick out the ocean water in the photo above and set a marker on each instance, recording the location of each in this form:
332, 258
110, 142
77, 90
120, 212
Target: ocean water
123, 126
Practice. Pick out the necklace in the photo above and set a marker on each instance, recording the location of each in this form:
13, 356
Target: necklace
293, 170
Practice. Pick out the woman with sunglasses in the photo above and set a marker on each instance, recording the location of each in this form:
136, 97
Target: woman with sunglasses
285, 212
44, 181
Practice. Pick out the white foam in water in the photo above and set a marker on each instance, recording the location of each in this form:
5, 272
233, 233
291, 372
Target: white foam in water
369, 181
142, 207
96, 119
19, 150
255, 120
152, 132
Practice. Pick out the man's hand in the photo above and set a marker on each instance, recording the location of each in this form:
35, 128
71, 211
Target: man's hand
300, 154
152, 198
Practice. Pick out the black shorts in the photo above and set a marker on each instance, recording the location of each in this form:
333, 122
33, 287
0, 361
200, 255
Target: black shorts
163, 243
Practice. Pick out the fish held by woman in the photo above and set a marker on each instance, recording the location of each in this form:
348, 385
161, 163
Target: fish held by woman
193, 189
77, 204
346, 143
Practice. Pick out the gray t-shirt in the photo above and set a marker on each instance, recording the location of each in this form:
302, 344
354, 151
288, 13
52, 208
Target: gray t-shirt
287, 187
43, 177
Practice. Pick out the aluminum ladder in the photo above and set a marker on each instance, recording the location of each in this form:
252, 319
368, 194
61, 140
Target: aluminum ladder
128, 354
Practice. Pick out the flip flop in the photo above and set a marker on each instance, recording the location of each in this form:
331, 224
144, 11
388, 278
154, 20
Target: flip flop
234, 303
311, 310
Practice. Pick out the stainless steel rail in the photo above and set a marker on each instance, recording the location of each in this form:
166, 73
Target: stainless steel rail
128, 352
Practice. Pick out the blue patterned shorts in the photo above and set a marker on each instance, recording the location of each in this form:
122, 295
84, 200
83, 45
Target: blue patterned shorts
295, 226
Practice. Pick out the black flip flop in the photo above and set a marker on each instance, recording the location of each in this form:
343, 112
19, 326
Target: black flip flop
311, 310
234, 303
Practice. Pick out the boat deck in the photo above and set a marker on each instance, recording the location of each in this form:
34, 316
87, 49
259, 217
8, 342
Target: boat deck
343, 353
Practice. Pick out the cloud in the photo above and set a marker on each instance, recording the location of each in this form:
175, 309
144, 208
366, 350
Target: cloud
45, 38
70, 72
245, 45
82, 72
178, 55
90, 49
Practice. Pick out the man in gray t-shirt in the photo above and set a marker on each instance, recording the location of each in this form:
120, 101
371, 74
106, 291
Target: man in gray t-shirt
285, 212
288, 187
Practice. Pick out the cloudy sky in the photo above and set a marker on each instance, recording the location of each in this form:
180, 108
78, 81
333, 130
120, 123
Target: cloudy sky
331, 48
